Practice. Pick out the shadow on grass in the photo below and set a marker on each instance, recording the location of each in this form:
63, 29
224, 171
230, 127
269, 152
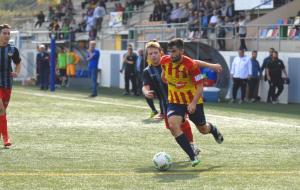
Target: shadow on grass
178, 172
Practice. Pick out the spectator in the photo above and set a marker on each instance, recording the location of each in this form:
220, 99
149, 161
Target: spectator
54, 28
119, 7
274, 71
254, 79
38, 66
240, 71
194, 24
51, 13
129, 62
221, 33
169, 8
242, 32
40, 19
230, 12
175, 14
263, 67
203, 23
43, 60
213, 21
99, 13
91, 26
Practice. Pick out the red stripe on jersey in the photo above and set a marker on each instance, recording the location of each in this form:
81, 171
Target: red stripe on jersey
184, 73
190, 95
163, 67
177, 97
177, 72
170, 68
183, 97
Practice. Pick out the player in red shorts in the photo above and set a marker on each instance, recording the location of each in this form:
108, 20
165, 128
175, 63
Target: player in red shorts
8, 54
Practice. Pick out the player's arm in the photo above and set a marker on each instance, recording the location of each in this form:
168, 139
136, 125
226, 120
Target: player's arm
163, 77
216, 67
197, 96
148, 92
17, 70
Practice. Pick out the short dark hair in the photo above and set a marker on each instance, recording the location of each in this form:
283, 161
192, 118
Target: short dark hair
3, 26
275, 52
177, 42
254, 51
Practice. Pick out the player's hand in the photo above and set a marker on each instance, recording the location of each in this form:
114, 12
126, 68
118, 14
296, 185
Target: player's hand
14, 74
218, 68
149, 94
191, 107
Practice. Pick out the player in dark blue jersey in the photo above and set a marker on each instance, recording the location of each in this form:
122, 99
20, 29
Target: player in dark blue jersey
8, 54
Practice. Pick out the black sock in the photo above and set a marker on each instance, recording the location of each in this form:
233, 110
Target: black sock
185, 145
213, 130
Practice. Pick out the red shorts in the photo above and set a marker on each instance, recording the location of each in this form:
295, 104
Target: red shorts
5, 95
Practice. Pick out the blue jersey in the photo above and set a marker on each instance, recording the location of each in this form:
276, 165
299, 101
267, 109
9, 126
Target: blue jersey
8, 54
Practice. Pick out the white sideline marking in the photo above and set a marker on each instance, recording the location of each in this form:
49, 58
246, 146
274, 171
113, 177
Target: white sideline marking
126, 174
144, 107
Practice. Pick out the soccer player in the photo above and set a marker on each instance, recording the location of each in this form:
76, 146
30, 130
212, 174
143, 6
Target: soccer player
154, 86
8, 54
185, 87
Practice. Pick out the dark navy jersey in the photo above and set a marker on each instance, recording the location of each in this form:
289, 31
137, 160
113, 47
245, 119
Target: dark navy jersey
152, 77
8, 54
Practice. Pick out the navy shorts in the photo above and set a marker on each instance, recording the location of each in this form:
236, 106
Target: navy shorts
198, 117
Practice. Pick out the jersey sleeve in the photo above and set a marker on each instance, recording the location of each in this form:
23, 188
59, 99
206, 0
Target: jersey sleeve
16, 56
146, 77
193, 70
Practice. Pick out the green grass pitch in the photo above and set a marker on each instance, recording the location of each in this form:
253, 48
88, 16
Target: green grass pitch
64, 140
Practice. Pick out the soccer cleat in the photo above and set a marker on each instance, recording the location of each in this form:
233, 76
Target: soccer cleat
195, 162
153, 113
216, 133
7, 143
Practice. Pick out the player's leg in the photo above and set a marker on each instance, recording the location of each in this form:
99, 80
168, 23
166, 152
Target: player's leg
5, 95
187, 130
150, 103
175, 116
198, 118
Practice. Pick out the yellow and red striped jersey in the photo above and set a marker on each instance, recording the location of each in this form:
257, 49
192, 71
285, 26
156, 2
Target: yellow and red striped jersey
182, 79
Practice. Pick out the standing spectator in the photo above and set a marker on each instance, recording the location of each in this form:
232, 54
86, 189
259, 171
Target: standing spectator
9, 53
230, 12
54, 28
93, 58
99, 13
140, 65
213, 21
221, 33
240, 71
91, 26
129, 62
274, 71
40, 19
44, 63
38, 66
242, 32
254, 79
263, 67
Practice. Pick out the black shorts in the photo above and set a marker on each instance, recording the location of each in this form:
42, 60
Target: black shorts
198, 117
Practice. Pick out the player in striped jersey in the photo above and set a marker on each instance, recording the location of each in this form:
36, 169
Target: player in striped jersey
185, 87
153, 84
8, 53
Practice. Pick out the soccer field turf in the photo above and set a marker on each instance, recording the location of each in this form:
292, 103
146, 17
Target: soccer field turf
64, 140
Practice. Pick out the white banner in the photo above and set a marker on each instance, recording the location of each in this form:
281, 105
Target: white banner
240, 5
115, 19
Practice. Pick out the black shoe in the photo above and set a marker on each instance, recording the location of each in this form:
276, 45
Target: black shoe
216, 133
92, 95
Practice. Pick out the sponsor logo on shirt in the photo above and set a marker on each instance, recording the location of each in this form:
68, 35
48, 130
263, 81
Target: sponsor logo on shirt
180, 84
198, 77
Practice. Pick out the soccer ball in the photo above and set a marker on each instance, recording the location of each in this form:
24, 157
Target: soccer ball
162, 161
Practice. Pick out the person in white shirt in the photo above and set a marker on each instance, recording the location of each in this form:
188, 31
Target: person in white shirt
240, 71
99, 13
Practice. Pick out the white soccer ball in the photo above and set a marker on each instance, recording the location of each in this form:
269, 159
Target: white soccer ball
162, 161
